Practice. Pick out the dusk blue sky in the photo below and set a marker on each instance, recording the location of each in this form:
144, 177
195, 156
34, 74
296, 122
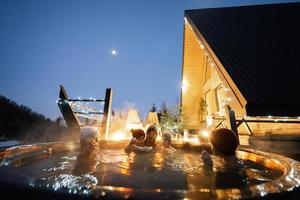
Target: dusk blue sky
47, 43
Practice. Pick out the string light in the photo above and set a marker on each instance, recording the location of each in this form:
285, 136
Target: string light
199, 41
84, 110
228, 99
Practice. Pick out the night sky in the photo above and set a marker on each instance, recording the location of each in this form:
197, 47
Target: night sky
47, 43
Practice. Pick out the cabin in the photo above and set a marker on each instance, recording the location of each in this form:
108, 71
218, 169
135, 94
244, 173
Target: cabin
241, 69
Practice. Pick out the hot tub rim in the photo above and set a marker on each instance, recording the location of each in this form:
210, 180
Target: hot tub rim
287, 182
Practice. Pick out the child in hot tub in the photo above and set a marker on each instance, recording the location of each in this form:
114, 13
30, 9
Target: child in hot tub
137, 142
167, 140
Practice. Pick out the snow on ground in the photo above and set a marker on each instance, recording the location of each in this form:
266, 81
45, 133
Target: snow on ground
8, 143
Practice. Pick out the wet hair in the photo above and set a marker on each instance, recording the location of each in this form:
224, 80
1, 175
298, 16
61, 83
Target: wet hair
167, 137
224, 140
150, 129
87, 134
153, 128
157, 131
137, 133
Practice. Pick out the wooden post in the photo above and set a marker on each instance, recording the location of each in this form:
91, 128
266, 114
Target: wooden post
231, 121
66, 110
106, 113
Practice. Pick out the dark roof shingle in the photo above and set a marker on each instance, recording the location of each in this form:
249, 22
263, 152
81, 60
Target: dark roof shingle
259, 46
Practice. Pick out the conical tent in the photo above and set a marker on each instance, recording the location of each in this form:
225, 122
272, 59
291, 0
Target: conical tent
133, 120
152, 118
133, 116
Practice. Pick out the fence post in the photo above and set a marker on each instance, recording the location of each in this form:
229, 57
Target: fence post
231, 121
106, 113
66, 110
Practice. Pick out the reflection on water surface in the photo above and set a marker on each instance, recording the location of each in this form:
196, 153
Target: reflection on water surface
158, 170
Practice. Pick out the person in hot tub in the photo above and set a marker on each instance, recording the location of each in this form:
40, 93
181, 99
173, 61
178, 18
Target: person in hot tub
151, 134
86, 161
167, 141
224, 144
137, 142
89, 141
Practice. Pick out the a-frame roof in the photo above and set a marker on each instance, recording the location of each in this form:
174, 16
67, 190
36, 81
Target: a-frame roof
259, 47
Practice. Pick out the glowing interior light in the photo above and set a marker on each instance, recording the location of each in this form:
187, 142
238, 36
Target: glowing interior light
194, 140
205, 133
209, 120
202, 46
269, 116
118, 136
184, 85
226, 89
134, 126
229, 99
185, 135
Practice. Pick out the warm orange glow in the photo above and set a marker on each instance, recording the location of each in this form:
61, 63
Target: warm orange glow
152, 118
205, 133
194, 140
191, 140
209, 120
133, 120
158, 138
185, 136
118, 136
184, 85
130, 126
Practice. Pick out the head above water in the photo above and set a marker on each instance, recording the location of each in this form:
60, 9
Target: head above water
166, 139
89, 140
139, 135
224, 141
88, 134
136, 133
151, 135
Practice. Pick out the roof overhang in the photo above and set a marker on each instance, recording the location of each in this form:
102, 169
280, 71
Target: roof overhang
225, 77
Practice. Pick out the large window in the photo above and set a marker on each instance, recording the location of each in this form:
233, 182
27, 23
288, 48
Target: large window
215, 100
221, 99
207, 70
210, 98
207, 99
